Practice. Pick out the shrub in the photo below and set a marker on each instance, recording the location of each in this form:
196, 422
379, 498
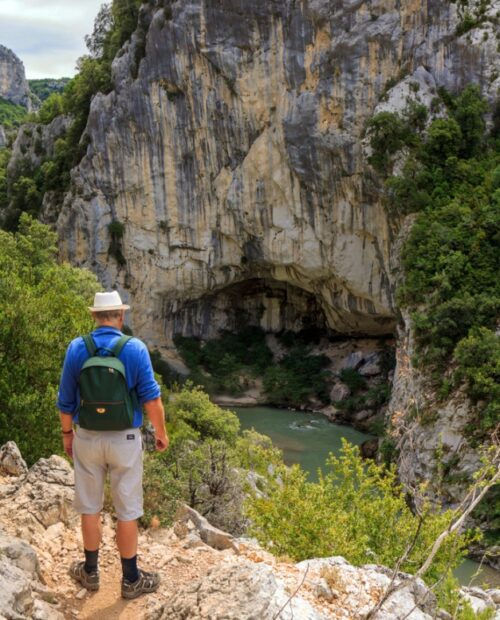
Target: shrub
357, 510
352, 378
192, 407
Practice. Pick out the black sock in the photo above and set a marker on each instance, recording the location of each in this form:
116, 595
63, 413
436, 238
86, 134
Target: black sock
91, 558
129, 568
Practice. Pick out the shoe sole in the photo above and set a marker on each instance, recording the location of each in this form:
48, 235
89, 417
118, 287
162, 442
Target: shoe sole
132, 595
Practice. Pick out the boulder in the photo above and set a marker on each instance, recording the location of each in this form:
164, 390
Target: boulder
11, 461
239, 590
19, 553
209, 534
371, 366
16, 601
340, 391
369, 448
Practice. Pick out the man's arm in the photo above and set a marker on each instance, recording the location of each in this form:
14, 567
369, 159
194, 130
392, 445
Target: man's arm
156, 415
67, 432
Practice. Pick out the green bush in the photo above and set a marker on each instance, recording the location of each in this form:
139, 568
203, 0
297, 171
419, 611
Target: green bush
357, 510
478, 358
207, 463
192, 407
11, 115
298, 376
352, 378
44, 306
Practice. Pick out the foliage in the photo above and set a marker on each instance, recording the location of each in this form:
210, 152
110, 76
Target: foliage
352, 378
450, 600
225, 364
191, 409
356, 510
47, 86
478, 358
222, 364
298, 376
451, 262
11, 115
44, 306
201, 474
207, 463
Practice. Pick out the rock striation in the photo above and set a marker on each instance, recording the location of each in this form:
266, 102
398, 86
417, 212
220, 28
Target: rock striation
13, 84
232, 151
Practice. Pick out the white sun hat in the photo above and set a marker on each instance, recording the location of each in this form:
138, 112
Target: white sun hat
108, 301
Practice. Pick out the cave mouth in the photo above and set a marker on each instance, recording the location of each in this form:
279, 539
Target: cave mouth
265, 341
272, 305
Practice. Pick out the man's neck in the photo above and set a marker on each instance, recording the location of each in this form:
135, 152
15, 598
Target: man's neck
107, 324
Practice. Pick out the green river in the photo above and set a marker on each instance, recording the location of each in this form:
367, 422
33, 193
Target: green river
307, 439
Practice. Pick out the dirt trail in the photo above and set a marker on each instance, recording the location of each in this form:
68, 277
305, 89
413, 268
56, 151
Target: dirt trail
160, 550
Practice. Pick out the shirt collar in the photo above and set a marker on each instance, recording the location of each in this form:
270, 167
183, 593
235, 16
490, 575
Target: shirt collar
107, 329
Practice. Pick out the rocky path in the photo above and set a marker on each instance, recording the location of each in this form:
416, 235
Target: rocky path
206, 574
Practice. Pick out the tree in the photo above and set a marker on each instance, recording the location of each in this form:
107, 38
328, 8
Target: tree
44, 306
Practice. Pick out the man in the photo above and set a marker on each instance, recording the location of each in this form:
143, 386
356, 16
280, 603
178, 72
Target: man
119, 452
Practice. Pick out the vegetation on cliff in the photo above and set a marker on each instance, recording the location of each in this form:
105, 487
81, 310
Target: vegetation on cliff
451, 181
11, 115
45, 87
229, 363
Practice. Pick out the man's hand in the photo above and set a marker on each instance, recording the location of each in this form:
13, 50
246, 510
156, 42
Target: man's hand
156, 415
161, 442
68, 444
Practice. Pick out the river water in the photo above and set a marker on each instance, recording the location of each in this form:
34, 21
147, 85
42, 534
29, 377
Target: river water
307, 439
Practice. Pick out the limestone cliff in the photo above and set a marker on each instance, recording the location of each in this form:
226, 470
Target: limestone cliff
231, 150
13, 84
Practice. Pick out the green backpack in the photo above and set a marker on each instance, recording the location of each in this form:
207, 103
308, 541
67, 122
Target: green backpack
106, 404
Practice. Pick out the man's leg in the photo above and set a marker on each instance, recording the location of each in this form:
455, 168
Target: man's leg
92, 535
126, 539
125, 473
90, 472
91, 531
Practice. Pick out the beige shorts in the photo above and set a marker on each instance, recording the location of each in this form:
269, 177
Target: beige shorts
95, 453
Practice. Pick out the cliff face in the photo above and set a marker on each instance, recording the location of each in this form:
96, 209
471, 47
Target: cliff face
13, 84
231, 150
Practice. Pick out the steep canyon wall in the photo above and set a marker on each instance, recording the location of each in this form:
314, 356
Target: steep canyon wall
233, 152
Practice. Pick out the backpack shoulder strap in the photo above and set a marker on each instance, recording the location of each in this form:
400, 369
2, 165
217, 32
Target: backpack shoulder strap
121, 342
90, 344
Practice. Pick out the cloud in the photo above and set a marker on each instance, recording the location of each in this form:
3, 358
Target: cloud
47, 35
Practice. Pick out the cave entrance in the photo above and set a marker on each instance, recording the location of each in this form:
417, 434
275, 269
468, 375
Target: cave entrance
263, 341
270, 304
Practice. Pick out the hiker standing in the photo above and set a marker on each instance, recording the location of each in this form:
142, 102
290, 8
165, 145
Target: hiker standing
107, 379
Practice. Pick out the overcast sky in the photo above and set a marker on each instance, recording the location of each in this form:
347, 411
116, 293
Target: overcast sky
47, 35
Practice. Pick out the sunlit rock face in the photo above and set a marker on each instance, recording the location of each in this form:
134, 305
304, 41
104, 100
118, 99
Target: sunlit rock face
13, 84
232, 151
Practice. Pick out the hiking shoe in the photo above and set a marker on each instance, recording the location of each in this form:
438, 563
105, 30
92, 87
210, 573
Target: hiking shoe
147, 582
88, 580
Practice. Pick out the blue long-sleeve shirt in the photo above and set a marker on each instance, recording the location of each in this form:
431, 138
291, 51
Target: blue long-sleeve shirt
135, 358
